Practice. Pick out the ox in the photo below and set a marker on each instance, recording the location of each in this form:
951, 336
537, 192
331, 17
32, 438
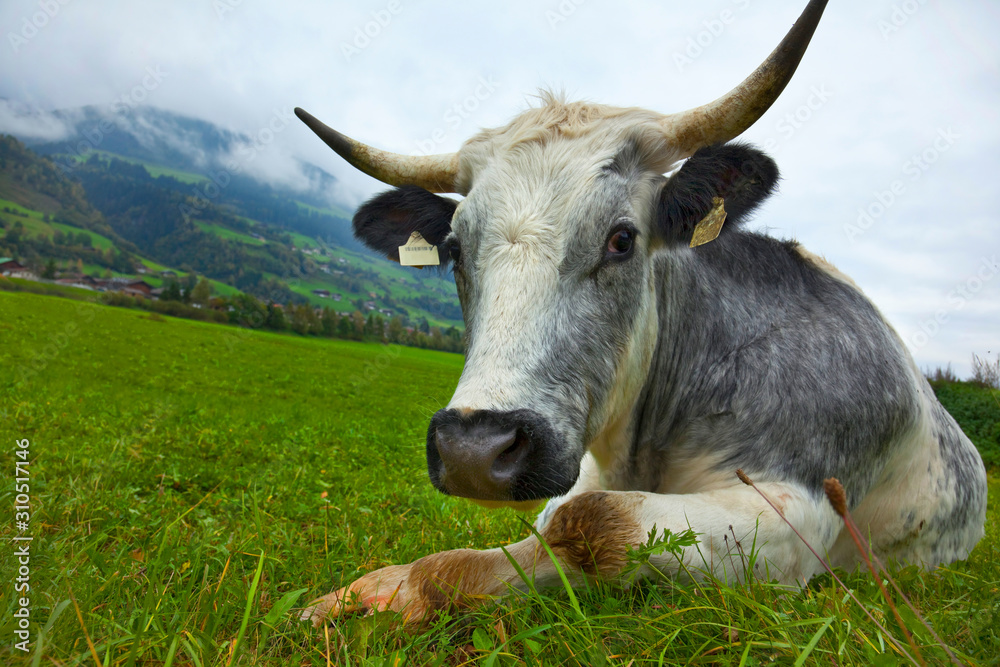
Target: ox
625, 376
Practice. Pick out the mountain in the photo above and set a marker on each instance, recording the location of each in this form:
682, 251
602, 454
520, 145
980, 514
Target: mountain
246, 237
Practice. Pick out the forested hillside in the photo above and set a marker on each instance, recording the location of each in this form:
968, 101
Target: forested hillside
238, 233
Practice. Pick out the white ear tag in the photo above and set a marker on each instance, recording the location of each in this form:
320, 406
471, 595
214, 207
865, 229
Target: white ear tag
418, 252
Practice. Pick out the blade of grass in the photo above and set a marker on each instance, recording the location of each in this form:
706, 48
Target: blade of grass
801, 660
521, 636
246, 611
169, 661
36, 659
79, 615
562, 575
278, 611
521, 573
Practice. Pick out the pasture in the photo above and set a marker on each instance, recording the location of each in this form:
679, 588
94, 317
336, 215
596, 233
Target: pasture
192, 484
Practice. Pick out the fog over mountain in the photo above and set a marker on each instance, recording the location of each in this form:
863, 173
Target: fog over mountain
172, 140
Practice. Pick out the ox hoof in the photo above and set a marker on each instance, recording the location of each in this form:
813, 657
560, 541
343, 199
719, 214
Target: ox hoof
380, 590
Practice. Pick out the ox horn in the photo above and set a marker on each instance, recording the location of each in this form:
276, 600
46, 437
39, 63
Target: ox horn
734, 112
436, 173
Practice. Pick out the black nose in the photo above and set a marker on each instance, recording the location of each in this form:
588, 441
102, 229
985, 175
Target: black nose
491, 455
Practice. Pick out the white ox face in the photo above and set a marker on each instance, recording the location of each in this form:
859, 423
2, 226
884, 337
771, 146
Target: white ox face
554, 249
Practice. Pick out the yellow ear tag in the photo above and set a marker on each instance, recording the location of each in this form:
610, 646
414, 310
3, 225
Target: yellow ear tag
418, 252
710, 226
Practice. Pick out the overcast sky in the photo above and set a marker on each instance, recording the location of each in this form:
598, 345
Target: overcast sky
894, 110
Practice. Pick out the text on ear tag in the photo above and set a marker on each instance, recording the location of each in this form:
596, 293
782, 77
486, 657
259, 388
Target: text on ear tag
418, 252
709, 227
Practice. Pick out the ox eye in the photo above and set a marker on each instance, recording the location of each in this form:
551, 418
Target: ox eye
454, 251
620, 242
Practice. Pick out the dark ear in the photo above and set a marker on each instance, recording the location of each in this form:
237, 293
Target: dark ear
385, 222
741, 175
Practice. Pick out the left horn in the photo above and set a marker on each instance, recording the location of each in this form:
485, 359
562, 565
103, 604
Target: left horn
436, 173
731, 114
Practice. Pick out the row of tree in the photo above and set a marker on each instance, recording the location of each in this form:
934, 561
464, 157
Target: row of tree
191, 300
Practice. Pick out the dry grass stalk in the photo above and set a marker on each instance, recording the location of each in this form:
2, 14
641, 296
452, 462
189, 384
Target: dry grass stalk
899, 647
838, 498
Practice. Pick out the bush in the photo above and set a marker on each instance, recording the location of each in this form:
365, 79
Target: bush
977, 411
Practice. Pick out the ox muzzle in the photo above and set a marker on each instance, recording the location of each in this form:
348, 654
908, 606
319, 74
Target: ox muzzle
497, 456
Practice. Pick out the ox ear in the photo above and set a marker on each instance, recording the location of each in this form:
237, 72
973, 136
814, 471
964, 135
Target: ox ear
743, 176
385, 222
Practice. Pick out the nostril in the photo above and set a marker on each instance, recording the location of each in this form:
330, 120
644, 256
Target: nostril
509, 454
509, 462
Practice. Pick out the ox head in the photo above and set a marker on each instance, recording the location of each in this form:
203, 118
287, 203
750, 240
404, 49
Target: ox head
552, 250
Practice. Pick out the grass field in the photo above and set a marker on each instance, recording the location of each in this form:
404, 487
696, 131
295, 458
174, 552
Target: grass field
227, 233
191, 484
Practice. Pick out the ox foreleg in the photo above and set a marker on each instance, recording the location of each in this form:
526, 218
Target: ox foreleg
590, 534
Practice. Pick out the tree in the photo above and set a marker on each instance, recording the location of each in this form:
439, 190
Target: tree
50, 270
172, 292
202, 292
359, 324
344, 326
275, 319
328, 322
396, 330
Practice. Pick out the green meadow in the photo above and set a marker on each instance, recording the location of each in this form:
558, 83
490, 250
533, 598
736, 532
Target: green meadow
192, 485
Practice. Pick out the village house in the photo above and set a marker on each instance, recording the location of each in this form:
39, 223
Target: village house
14, 269
129, 286
83, 282
322, 293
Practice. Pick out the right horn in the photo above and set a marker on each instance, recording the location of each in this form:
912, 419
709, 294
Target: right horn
734, 112
436, 173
